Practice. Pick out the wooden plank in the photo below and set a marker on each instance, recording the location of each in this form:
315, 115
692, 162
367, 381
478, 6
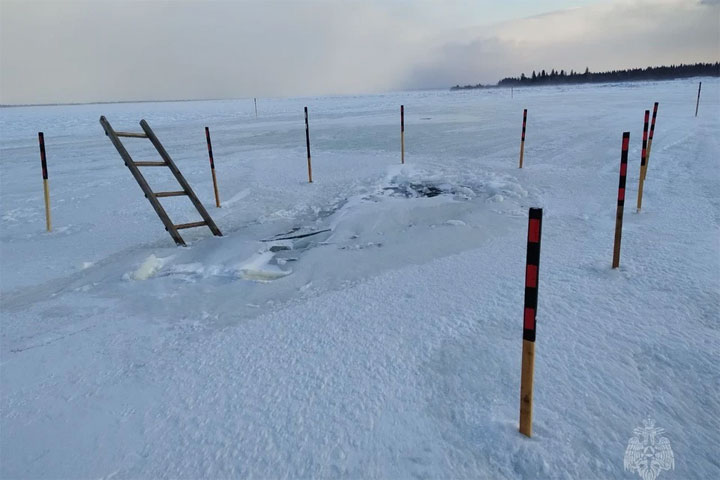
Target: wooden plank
190, 225
131, 134
141, 181
293, 237
181, 180
151, 164
170, 194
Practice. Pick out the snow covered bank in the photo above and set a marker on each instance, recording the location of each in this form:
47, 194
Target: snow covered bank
387, 344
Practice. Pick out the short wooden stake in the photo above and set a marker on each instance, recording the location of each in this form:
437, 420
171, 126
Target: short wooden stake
643, 159
532, 269
255, 107
621, 199
212, 167
307, 140
402, 134
522, 138
46, 187
697, 104
650, 137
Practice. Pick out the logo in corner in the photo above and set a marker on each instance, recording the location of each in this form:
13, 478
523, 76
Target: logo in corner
648, 453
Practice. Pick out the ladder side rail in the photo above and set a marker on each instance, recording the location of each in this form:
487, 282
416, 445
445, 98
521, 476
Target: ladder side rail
181, 180
141, 181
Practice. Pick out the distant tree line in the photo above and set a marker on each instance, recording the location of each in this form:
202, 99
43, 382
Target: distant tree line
636, 74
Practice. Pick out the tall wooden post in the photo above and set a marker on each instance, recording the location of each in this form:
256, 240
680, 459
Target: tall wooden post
402, 134
307, 140
46, 187
621, 199
650, 137
212, 167
522, 138
643, 159
532, 269
697, 104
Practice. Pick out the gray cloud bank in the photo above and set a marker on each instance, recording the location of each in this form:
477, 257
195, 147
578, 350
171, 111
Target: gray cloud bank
57, 51
614, 35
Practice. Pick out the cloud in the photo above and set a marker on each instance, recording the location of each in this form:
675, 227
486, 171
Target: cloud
620, 34
101, 50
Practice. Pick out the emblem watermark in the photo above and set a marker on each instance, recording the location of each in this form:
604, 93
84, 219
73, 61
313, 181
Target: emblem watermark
648, 453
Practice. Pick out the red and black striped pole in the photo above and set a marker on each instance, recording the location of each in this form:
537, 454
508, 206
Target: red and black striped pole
697, 105
402, 133
650, 137
212, 167
307, 141
522, 138
46, 187
529, 319
621, 199
643, 161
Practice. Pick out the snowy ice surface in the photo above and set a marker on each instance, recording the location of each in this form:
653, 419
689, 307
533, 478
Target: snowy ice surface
388, 344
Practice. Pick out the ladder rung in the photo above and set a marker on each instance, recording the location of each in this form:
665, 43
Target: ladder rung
170, 194
190, 225
150, 164
131, 134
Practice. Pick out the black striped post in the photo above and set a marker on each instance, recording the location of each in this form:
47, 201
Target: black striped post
650, 137
212, 167
529, 319
698, 99
307, 141
522, 138
643, 161
46, 187
621, 199
402, 134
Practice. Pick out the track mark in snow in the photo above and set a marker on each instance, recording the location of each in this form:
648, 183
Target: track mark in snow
236, 198
51, 341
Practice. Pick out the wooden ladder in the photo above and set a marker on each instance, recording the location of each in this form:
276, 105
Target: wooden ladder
153, 196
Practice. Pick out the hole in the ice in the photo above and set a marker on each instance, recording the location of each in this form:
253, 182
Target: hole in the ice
415, 190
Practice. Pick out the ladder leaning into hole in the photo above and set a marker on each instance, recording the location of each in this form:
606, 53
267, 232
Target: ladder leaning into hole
153, 196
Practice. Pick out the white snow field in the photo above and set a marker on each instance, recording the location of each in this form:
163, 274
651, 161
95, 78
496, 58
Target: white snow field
388, 346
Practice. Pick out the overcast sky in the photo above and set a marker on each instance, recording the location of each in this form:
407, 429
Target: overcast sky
107, 50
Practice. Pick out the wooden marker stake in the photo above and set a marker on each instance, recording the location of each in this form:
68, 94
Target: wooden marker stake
643, 159
212, 167
255, 107
307, 140
621, 199
698, 99
46, 187
402, 134
532, 269
650, 137
522, 138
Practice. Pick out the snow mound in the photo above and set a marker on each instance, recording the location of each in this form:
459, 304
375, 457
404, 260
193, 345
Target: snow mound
259, 268
149, 267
